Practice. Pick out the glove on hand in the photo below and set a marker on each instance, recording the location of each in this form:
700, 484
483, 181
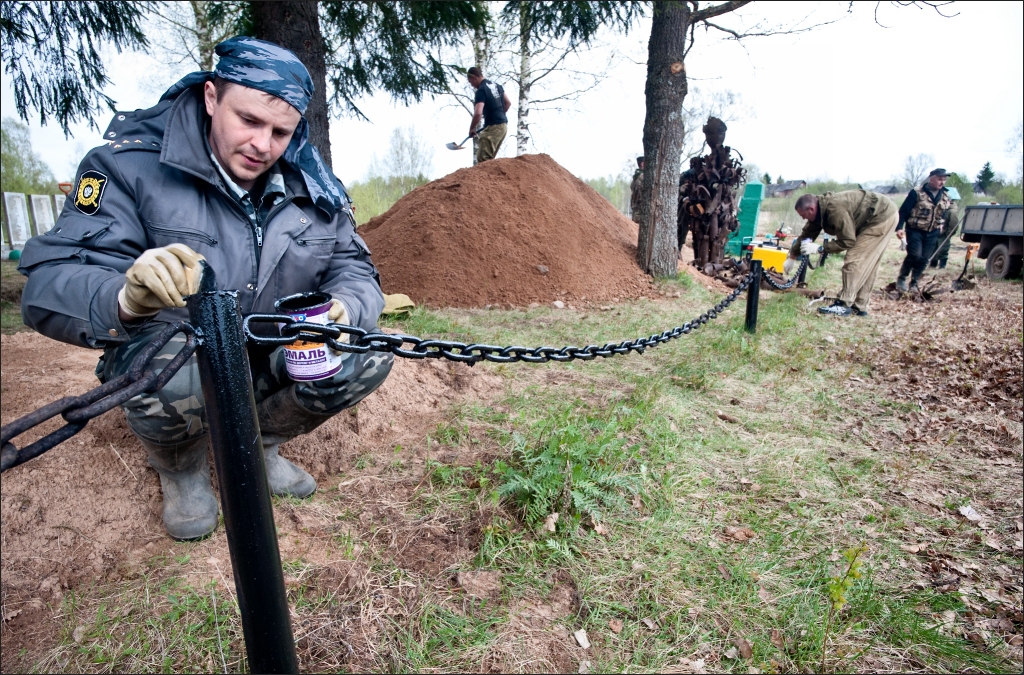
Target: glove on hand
788, 266
338, 314
807, 247
160, 277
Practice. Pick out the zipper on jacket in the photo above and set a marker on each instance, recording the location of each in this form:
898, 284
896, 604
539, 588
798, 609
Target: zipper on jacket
314, 240
184, 233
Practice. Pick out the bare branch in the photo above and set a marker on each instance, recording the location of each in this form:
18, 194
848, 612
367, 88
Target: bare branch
920, 4
757, 31
716, 10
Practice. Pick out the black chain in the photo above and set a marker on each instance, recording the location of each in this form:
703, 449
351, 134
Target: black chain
78, 410
785, 286
362, 341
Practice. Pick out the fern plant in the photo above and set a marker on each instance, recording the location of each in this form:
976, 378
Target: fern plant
576, 465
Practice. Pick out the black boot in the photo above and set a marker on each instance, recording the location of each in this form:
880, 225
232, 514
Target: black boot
281, 419
190, 507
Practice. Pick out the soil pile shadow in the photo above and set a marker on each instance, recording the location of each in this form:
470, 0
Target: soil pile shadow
506, 232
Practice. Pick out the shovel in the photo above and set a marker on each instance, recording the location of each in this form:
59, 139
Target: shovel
960, 284
452, 146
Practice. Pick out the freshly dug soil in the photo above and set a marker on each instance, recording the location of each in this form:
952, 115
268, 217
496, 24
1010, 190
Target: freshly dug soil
506, 232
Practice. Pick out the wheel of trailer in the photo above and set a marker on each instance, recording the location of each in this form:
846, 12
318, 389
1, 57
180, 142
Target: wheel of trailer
1016, 263
998, 264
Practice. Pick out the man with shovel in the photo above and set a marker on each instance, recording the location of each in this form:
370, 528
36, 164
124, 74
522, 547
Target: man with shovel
220, 169
490, 104
927, 212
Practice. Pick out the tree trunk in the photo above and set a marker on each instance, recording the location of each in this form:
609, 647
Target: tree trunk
663, 139
295, 25
525, 79
482, 56
204, 34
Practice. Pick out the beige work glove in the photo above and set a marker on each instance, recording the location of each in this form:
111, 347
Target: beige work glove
160, 277
338, 314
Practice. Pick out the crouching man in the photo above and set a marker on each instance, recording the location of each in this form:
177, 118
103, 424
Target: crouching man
220, 169
861, 223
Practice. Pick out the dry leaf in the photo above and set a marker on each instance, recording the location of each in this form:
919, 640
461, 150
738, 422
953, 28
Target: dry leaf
601, 529
549, 522
778, 639
968, 512
744, 481
731, 653
915, 548
636, 502
649, 623
615, 625
802, 494
581, 638
585, 667
765, 596
741, 533
726, 574
726, 418
78, 634
746, 651
993, 544
672, 426
11, 614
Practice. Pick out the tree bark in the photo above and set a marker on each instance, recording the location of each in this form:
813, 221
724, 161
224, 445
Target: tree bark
525, 79
295, 25
663, 139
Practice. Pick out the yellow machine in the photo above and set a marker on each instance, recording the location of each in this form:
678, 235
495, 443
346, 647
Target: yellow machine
771, 257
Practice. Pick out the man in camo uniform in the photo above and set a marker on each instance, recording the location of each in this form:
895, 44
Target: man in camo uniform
219, 170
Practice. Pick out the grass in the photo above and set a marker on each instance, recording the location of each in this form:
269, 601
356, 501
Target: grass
717, 430
11, 283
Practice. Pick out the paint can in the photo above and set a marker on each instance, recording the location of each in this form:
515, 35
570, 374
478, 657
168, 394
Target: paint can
308, 361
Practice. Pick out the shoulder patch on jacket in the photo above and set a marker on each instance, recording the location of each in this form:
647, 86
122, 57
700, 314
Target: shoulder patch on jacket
90, 190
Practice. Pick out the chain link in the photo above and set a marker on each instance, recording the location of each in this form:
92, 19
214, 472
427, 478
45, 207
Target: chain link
785, 286
78, 410
411, 347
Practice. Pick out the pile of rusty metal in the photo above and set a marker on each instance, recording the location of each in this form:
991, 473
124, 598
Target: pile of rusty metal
707, 197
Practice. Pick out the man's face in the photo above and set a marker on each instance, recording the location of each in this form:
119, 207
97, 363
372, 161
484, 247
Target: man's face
249, 130
937, 182
809, 213
475, 81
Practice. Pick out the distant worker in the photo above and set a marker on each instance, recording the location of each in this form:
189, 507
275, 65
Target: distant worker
634, 190
861, 223
491, 103
927, 212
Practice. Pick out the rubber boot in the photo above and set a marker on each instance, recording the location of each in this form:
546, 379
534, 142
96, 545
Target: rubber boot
901, 284
190, 507
281, 419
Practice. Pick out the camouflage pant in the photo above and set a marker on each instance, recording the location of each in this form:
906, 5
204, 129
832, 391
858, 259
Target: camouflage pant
177, 412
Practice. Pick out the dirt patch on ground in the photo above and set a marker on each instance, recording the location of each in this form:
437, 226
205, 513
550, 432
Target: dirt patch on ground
506, 232
89, 511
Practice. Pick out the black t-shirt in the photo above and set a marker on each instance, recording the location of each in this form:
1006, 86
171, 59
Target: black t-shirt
491, 95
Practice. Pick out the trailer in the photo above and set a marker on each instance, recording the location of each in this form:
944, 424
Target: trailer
998, 229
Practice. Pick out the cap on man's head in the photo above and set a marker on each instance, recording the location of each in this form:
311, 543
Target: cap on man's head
639, 160
941, 173
267, 67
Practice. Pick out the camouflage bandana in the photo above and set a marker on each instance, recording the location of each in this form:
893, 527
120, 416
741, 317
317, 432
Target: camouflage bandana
272, 69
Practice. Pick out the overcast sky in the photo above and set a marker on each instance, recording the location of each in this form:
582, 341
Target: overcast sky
848, 100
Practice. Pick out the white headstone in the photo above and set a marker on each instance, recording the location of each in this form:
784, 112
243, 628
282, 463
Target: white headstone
42, 212
59, 201
17, 218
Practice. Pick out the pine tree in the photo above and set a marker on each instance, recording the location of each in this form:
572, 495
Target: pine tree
51, 51
986, 177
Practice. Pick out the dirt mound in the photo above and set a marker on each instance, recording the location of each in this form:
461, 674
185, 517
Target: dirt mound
506, 232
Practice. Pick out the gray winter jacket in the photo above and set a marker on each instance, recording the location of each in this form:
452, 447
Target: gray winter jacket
154, 184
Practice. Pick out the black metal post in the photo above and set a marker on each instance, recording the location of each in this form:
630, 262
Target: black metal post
753, 296
244, 492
